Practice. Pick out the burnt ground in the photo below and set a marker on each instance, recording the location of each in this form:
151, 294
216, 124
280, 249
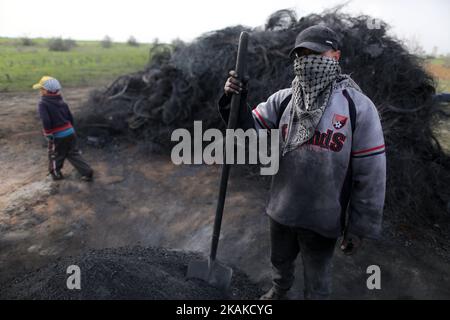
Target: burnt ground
140, 201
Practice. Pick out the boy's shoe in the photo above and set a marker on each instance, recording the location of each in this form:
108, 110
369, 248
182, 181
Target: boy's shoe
274, 294
56, 176
86, 178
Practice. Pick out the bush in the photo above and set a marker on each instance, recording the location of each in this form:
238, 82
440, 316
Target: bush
25, 41
59, 44
106, 42
132, 42
70, 43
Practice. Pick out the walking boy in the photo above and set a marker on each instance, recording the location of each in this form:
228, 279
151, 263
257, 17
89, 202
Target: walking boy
57, 121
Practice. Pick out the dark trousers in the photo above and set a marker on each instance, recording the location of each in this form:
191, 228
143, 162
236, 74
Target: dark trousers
60, 149
316, 251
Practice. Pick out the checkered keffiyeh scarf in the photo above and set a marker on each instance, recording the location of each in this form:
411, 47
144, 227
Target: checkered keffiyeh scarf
315, 78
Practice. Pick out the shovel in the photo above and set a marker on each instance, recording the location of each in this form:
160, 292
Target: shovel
211, 270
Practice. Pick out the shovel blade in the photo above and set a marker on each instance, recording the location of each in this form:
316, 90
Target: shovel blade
215, 273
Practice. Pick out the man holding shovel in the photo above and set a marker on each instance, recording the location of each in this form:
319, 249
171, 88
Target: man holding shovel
332, 159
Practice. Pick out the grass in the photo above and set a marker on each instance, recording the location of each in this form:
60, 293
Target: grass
440, 69
86, 64
91, 64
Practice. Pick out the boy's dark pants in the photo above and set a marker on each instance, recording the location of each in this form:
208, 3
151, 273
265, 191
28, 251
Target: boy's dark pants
317, 252
60, 149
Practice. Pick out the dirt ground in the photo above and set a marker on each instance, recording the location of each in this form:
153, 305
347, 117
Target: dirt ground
140, 198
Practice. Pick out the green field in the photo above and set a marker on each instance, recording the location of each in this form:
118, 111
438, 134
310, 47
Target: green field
90, 64
440, 69
86, 64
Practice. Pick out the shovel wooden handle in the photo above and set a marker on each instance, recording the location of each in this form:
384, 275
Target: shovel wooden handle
241, 65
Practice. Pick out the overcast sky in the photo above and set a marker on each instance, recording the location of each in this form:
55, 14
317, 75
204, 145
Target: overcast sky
428, 21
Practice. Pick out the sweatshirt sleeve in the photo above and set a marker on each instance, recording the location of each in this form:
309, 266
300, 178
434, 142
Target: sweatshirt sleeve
264, 116
368, 162
45, 117
245, 120
70, 116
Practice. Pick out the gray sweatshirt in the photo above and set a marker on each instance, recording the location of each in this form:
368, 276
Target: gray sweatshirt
336, 180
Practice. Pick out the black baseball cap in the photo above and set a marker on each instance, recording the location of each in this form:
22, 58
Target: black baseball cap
317, 38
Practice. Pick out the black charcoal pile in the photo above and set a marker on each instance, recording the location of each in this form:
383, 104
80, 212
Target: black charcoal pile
124, 273
183, 82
